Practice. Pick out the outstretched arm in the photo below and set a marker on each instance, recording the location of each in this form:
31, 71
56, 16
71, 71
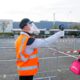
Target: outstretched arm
36, 43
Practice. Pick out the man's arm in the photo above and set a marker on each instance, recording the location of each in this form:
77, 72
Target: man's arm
36, 43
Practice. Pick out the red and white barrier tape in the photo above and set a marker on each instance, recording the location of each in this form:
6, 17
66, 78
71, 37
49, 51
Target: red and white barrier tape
67, 53
72, 51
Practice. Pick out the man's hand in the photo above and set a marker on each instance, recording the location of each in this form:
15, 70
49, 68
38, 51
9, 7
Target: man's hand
61, 27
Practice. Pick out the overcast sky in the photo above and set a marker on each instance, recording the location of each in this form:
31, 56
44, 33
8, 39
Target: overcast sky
36, 10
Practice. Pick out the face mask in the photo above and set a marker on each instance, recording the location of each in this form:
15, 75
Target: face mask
34, 29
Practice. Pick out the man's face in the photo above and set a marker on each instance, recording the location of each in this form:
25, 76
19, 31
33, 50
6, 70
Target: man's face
27, 27
31, 28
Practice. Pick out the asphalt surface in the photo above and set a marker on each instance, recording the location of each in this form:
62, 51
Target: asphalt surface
53, 65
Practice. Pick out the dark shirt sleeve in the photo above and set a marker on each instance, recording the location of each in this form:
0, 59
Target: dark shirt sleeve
30, 41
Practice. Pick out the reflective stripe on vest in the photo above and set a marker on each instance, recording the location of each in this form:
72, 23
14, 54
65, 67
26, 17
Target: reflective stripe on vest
25, 59
23, 40
27, 68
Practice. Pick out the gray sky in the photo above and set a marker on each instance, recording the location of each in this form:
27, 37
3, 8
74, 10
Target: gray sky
36, 10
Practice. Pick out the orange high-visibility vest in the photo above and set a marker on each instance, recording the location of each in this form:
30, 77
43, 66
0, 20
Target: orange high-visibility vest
27, 64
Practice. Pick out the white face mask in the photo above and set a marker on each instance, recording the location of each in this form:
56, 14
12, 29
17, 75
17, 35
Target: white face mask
34, 29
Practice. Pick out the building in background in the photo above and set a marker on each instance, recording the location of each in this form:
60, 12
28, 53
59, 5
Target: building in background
6, 26
11, 28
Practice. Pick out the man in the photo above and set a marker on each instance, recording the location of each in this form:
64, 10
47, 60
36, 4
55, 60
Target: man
27, 49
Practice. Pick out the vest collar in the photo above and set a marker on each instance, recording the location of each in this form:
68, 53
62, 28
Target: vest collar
25, 33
